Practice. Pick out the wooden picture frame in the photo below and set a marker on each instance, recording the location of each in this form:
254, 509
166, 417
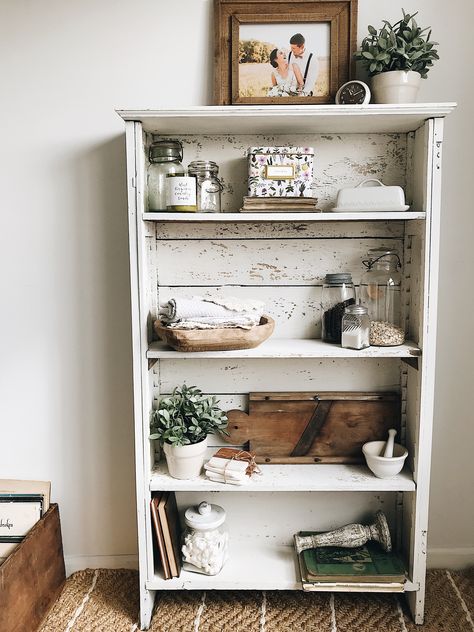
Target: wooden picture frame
334, 22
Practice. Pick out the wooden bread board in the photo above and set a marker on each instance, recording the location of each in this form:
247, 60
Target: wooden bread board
325, 427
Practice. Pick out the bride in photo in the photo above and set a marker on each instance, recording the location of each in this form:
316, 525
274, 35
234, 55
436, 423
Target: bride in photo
287, 79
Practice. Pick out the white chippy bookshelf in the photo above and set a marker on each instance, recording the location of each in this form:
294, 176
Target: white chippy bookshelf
282, 258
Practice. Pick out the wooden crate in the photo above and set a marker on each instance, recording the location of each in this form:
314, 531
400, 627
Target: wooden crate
32, 576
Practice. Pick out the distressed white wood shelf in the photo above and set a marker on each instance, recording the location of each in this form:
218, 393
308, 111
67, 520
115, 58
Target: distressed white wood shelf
282, 259
283, 217
281, 478
288, 119
289, 348
259, 565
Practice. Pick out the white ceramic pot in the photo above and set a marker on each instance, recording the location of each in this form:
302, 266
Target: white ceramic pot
185, 461
384, 466
396, 86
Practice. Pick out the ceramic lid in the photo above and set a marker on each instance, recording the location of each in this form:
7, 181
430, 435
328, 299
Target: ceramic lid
204, 516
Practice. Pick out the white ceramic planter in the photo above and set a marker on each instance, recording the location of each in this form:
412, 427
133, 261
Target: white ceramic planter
185, 461
396, 86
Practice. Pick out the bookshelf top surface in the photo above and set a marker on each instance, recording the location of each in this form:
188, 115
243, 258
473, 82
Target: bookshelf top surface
265, 119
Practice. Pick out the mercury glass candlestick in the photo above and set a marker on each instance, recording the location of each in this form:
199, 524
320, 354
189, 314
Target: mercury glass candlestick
350, 536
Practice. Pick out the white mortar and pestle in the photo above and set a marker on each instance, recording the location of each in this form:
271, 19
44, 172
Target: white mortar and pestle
385, 458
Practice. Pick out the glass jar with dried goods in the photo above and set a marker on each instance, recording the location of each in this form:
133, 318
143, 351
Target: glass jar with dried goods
380, 292
337, 294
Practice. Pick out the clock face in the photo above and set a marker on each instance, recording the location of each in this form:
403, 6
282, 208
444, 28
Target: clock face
353, 93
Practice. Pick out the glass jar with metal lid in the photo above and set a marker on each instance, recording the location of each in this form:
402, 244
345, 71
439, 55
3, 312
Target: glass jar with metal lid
380, 292
338, 292
355, 327
165, 159
209, 187
205, 540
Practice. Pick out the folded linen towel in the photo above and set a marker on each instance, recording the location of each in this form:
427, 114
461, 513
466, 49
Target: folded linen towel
182, 309
229, 481
227, 464
243, 322
227, 476
225, 473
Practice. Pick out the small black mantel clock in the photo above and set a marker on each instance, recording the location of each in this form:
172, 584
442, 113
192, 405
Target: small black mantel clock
353, 93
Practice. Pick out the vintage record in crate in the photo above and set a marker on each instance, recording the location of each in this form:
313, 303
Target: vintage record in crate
324, 427
225, 339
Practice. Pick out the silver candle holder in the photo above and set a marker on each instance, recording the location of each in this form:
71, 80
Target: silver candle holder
350, 536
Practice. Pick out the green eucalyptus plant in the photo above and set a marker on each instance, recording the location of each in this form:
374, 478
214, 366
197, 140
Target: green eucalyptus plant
186, 417
401, 46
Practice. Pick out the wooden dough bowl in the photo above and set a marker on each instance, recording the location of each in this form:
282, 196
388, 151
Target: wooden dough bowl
227, 339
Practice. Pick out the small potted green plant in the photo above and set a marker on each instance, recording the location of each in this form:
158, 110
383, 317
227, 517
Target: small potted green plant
397, 57
181, 425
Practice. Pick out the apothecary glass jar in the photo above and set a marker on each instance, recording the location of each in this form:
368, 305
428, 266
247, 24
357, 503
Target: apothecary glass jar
355, 327
205, 540
165, 158
337, 294
380, 292
209, 187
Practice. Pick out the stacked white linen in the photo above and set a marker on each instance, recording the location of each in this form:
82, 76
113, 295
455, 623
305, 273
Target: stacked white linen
211, 313
227, 471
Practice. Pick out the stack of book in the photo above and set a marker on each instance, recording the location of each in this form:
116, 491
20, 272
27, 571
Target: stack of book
333, 566
164, 513
279, 205
22, 504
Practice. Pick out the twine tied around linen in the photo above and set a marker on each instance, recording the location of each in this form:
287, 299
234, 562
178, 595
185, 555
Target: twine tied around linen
243, 455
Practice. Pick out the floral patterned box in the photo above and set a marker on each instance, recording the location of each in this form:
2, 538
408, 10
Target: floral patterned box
280, 171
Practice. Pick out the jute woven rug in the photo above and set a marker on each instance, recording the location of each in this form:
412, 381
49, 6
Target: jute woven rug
107, 600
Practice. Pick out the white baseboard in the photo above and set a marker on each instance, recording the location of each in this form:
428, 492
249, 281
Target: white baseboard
80, 562
452, 559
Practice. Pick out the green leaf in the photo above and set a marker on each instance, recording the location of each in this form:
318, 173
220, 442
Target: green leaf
372, 31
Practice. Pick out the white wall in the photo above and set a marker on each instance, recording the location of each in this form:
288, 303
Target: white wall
65, 388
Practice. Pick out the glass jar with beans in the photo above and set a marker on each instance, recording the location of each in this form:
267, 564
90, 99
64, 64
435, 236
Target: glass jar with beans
337, 294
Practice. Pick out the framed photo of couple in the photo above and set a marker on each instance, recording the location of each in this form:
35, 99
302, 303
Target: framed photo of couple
280, 51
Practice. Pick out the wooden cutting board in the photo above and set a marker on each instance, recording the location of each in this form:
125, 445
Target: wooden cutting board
325, 427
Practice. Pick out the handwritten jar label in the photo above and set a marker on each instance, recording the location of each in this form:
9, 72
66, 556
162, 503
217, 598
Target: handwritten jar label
181, 192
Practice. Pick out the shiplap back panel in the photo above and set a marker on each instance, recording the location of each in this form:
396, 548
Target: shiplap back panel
239, 376
258, 262
286, 514
283, 264
340, 160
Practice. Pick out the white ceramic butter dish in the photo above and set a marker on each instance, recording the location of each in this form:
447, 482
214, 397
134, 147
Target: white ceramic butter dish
370, 198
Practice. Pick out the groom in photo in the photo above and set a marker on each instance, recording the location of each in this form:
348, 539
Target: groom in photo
306, 62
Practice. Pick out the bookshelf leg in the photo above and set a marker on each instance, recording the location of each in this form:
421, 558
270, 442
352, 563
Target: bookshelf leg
416, 603
147, 599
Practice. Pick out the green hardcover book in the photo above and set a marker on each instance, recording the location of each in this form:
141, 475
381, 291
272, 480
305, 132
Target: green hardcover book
368, 563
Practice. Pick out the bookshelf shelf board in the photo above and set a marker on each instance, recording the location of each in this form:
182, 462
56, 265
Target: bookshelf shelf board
289, 348
272, 567
218, 218
274, 478
288, 119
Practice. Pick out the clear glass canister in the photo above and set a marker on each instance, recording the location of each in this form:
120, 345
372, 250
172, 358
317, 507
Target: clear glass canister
355, 327
380, 292
165, 158
209, 187
338, 293
205, 540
